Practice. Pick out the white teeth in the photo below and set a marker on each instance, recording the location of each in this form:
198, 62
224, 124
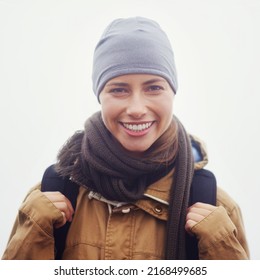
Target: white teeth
137, 127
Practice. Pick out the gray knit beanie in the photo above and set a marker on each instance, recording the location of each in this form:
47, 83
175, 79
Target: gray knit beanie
133, 46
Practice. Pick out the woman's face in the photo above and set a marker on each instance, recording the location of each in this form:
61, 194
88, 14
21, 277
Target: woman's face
137, 109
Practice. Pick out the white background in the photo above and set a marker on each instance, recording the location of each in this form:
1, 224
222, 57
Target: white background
46, 50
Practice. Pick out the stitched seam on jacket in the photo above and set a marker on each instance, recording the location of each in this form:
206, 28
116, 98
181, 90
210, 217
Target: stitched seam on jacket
36, 223
215, 243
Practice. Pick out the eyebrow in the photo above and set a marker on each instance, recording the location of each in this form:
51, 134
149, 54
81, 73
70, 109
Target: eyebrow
117, 84
156, 80
145, 83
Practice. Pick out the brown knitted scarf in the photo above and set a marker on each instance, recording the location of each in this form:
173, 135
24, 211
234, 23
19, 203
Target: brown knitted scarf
93, 158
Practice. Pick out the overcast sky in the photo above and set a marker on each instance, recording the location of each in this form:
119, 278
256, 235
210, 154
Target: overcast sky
46, 50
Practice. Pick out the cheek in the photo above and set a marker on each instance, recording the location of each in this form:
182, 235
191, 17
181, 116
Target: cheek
105, 115
166, 108
109, 115
166, 114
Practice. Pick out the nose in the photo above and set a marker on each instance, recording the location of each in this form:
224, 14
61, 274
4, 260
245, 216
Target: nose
136, 107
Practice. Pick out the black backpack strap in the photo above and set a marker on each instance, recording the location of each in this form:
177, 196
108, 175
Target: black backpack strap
51, 181
203, 189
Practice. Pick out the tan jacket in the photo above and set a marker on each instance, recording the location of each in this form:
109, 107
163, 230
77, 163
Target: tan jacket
100, 230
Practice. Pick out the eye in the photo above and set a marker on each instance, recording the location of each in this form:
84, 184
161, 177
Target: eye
118, 91
155, 89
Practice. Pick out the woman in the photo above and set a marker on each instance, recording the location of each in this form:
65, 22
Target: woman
134, 165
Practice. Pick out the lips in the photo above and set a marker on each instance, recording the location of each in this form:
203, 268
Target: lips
137, 127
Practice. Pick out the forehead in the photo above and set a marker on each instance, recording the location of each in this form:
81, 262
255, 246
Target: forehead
136, 78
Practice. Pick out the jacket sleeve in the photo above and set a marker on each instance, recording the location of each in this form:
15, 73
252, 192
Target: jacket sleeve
221, 235
32, 234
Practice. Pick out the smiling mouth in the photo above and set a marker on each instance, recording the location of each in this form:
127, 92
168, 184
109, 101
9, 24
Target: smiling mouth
137, 127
